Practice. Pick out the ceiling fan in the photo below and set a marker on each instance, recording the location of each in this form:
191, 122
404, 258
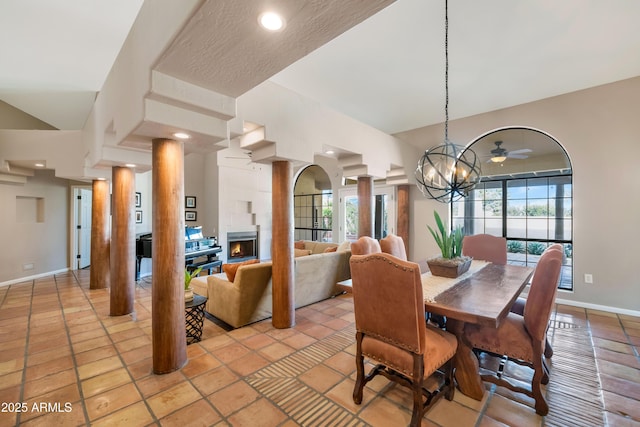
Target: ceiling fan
499, 154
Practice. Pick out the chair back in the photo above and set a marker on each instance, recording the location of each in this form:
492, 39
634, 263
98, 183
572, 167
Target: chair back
485, 247
542, 293
365, 245
394, 245
388, 301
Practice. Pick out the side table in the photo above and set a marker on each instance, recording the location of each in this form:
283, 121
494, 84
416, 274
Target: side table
194, 318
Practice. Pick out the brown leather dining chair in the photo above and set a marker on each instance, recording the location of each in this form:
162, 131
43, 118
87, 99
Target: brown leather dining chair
518, 307
365, 245
485, 247
394, 245
522, 338
391, 331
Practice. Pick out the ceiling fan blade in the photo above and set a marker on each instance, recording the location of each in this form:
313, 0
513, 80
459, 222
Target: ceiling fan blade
522, 150
517, 156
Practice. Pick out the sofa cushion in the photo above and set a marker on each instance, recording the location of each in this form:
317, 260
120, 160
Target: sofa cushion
344, 246
301, 252
232, 269
299, 244
331, 249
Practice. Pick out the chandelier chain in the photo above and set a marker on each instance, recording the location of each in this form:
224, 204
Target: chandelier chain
446, 70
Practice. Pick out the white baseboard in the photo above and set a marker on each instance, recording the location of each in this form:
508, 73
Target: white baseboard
35, 276
606, 308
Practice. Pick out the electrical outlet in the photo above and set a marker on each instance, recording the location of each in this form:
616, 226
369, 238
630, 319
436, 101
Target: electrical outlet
588, 278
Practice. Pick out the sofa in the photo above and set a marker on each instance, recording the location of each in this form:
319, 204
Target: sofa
248, 298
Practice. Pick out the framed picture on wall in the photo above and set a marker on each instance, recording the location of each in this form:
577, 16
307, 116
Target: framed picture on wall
138, 217
190, 216
190, 202
138, 201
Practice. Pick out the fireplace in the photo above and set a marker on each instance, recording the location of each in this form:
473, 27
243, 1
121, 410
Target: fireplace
242, 246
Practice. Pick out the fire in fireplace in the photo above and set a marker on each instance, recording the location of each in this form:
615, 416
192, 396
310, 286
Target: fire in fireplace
242, 246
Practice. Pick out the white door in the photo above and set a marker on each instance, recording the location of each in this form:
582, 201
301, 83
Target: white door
384, 214
83, 227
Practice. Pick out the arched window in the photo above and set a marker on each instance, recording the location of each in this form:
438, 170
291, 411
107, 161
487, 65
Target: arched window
525, 196
313, 205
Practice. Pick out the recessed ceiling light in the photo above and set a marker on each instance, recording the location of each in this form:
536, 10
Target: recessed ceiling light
130, 165
329, 152
271, 21
182, 135
39, 165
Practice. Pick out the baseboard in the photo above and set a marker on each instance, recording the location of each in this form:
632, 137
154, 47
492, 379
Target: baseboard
599, 307
35, 276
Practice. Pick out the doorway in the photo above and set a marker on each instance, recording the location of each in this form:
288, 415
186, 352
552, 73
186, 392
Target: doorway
81, 227
384, 213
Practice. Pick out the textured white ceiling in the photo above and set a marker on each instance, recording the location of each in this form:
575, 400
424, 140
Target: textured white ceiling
387, 72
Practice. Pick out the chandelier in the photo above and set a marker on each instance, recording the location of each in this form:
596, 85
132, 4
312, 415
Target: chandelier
448, 171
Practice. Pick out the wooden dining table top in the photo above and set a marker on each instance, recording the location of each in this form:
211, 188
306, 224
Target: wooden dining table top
485, 297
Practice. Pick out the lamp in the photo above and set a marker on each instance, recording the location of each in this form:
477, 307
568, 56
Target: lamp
448, 171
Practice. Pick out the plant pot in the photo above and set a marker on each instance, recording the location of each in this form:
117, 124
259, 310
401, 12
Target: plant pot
188, 295
451, 268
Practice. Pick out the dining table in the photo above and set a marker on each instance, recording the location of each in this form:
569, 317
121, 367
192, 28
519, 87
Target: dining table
484, 296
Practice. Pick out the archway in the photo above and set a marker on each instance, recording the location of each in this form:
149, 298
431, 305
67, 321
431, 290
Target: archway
313, 205
525, 195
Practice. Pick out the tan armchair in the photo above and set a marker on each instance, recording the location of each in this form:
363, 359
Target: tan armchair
394, 245
522, 338
390, 330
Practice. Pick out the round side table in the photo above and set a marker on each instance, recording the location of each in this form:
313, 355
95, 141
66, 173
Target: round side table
194, 318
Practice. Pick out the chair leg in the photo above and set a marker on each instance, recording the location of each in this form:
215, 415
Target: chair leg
416, 415
360, 380
548, 350
450, 380
539, 371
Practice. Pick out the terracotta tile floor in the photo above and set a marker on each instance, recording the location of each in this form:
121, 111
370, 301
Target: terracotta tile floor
71, 364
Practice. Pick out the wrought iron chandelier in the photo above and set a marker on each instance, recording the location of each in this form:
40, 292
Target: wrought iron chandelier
448, 171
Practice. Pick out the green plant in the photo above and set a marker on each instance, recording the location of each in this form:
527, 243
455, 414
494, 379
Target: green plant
535, 248
450, 243
515, 247
190, 275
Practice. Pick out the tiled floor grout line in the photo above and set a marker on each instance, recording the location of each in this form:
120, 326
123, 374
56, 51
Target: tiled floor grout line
26, 347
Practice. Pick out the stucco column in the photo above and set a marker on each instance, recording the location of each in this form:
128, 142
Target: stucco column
365, 206
169, 338
282, 246
122, 253
403, 215
100, 237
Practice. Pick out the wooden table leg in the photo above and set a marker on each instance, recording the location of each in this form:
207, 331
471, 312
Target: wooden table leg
467, 369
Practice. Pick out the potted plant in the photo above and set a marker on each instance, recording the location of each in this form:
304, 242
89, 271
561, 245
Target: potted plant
188, 292
451, 263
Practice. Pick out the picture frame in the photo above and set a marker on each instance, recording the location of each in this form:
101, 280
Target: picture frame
138, 217
190, 202
190, 216
138, 200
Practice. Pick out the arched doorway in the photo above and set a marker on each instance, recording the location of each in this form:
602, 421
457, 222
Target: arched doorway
525, 195
313, 205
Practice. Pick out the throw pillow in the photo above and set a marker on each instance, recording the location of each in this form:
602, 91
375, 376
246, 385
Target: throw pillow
299, 245
301, 252
344, 246
232, 269
331, 249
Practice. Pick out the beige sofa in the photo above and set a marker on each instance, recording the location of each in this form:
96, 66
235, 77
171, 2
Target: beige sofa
249, 297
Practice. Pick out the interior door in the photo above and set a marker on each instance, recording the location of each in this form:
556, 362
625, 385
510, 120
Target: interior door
83, 227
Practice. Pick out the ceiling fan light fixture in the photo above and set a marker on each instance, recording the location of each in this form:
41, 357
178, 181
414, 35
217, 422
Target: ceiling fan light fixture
498, 159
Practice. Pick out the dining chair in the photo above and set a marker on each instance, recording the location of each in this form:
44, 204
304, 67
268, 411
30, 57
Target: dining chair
518, 306
391, 331
521, 339
365, 245
394, 245
485, 247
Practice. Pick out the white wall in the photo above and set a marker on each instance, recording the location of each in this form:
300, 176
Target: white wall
26, 242
599, 128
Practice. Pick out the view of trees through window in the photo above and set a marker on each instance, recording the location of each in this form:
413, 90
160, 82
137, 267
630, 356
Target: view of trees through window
531, 213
